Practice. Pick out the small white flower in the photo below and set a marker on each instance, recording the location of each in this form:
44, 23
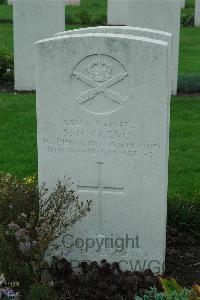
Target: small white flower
2, 279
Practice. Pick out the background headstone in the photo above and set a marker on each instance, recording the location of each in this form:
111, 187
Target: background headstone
67, 2
102, 116
182, 3
117, 12
197, 13
153, 14
33, 20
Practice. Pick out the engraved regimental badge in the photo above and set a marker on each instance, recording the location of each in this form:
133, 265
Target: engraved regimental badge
99, 83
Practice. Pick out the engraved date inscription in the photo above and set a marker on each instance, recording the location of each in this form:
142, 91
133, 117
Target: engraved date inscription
112, 138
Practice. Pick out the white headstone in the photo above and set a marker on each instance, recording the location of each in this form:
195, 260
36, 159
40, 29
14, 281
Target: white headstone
197, 13
33, 20
102, 116
127, 30
117, 12
154, 14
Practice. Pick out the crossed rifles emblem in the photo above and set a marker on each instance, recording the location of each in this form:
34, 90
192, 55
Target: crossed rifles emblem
102, 88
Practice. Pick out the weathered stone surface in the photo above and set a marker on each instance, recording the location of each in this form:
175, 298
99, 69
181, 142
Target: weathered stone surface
154, 14
33, 20
103, 120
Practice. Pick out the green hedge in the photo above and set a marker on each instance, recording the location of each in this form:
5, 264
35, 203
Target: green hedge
187, 21
189, 83
6, 67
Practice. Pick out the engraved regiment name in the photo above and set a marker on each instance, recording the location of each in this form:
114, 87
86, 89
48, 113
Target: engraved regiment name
96, 137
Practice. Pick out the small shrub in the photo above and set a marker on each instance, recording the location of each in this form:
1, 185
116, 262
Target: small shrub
184, 215
100, 20
25, 234
99, 281
41, 291
69, 20
189, 83
84, 17
6, 67
187, 21
153, 294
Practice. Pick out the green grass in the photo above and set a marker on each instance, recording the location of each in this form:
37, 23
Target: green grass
6, 36
18, 134
184, 167
6, 12
18, 142
96, 11
189, 51
189, 8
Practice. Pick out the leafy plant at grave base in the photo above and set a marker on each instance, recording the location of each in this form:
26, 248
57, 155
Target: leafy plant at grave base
171, 291
108, 281
6, 67
153, 294
41, 291
99, 281
184, 215
189, 83
24, 234
187, 21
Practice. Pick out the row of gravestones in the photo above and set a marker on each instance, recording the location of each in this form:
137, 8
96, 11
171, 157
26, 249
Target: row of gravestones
67, 2
103, 107
35, 20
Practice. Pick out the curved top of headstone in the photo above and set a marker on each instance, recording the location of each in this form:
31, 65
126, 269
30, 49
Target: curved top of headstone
103, 35
114, 29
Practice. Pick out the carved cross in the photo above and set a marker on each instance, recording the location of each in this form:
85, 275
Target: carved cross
100, 189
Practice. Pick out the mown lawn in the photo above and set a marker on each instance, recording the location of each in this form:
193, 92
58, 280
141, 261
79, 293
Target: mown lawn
18, 150
184, 162
189, 51
18, 134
